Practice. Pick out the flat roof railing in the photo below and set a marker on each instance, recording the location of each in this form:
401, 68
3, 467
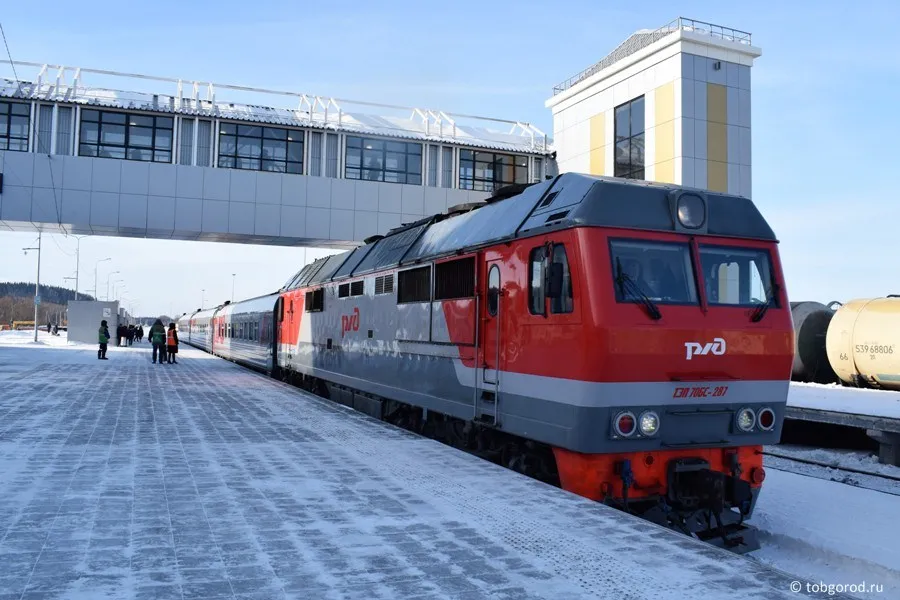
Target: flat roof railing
641, 40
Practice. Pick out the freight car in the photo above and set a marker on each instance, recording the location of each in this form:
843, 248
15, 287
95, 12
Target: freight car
863, 343
627, 340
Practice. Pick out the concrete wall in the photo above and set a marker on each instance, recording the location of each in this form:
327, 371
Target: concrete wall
139, 199
85, 316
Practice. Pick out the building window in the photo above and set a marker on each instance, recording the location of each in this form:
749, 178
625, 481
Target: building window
538, 170
447, 167
125, 135
489, 171
186, 149
45, 128
64, 130
431, 181
259, 148
382, 160
331, 155
14, 126
204, 138
315, 153
630, 139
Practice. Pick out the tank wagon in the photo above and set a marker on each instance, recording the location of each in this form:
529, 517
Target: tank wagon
629, 341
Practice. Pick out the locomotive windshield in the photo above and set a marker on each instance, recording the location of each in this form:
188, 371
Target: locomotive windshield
660, 271
736, 276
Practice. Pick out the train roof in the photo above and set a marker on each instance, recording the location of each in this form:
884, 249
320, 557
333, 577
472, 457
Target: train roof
568, 200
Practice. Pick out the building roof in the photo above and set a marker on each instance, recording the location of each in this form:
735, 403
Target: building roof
641, 39
196, 98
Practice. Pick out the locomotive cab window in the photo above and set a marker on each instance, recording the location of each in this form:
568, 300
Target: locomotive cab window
659, 271
737, 276
315, 300
549, 277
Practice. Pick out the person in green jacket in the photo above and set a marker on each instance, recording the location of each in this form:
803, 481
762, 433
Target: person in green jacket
103, 338
157, 337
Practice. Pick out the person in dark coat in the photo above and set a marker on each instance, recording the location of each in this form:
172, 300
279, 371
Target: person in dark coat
172, 344
157, 337
140, 333
130, 335
103, 338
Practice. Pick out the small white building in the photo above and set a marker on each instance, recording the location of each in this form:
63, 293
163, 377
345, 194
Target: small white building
669, 105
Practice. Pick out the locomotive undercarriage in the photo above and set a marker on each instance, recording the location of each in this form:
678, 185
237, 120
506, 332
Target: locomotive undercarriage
699, 502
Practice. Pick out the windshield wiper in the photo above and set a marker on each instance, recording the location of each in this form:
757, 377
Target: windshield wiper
760, 311
623, 280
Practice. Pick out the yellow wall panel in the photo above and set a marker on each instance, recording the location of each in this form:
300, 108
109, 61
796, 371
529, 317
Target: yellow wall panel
717, 175
598, 130
665, 104
598, 144
665, 171
598, 161
717, 142
716, 103
665, 143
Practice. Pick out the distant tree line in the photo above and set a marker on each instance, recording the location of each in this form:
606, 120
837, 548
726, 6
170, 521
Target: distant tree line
51, 294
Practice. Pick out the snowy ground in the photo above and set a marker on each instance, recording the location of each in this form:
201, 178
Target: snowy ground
829, 532
123, 479
877, 403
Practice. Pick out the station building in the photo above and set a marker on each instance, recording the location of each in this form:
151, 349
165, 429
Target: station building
670, 105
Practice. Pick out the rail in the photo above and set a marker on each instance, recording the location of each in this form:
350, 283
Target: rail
641, 40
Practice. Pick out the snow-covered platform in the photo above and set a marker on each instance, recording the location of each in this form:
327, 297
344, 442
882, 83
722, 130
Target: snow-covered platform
123, 479
876, 411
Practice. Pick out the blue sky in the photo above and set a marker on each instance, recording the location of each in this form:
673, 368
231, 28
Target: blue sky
825, 126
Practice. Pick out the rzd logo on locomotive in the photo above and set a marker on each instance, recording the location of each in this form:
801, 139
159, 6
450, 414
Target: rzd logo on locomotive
350, 322
717, 347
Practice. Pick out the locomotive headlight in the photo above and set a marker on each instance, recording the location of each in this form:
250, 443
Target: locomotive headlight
691, 211
649, 423
746, 419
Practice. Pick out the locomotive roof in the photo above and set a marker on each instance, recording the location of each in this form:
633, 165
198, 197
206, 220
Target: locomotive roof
569, 200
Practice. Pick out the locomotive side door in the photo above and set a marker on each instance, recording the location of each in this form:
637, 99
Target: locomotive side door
487, 398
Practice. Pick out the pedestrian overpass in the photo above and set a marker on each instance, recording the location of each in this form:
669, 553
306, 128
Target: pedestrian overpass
173, 159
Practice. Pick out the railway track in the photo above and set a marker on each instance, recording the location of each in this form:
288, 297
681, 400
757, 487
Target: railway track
890, 484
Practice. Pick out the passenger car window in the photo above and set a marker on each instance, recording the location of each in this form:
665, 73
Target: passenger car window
662, 271
736, 276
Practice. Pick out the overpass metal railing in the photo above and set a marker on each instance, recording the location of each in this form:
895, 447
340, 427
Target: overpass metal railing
641, 40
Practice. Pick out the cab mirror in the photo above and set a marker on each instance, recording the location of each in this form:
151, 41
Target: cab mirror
555, 280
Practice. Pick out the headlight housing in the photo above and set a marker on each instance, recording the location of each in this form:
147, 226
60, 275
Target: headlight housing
625, 424
648, 424
745, 419
766, 419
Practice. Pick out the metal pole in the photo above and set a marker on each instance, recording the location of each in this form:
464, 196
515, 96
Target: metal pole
77, 263
107, 283
37, 289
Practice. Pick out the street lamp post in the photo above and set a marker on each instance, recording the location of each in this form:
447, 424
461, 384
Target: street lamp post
78, 262
95, 275
37, 285
107, 284
202, 298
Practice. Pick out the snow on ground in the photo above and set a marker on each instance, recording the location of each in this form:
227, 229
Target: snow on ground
829, 532
123, 479
876, 403
838, 460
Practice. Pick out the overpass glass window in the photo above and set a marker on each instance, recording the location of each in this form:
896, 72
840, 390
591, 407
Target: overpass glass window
447, 167
629, 124
315, 153
45, 128
64, 130
257, 148
204, 143
490, 171
331, 155
186, 142
14, 118
372, 159
109, 134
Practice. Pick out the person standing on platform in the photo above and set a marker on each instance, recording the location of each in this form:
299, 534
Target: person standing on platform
140, 333
172, 344
157, 337
103, 339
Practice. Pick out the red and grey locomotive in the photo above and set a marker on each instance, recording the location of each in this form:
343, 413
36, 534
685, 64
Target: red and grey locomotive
627, 340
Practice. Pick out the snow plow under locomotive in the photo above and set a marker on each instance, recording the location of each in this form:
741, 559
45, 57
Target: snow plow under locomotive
629, 341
